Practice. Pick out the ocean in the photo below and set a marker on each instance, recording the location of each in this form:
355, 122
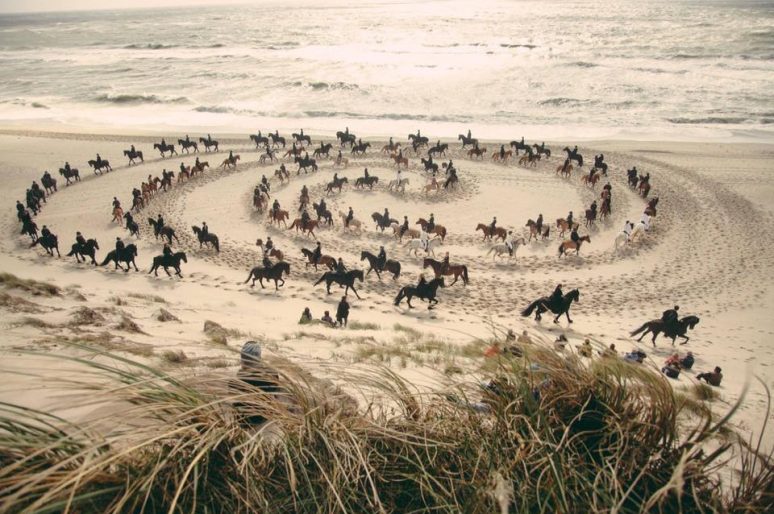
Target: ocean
682, 69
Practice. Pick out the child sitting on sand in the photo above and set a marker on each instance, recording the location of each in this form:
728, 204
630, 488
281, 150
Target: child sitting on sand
326, 319
610, 352
585, 349
635, 355
712, 378
687, 361
306, 317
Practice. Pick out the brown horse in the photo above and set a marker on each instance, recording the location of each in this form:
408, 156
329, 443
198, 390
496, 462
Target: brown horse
563, 226
506, 155
644, 189
457, 270
604, 211
530, 158
650, 210
438, 230
591, 217
118, 215
185, 172
591, 179
566, 246
564, 170
478, 152
200, 168
308, 230
279, 216
534, 232
325, 260
390, 148
400, 160
498, 232
411, 233
230, 162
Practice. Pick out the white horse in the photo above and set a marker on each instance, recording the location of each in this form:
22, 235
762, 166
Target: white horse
355, 225
502, 249
621, 239
416, 244
343, 162
398, 185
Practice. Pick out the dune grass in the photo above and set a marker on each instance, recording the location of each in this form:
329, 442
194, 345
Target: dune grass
33, 287
554, 435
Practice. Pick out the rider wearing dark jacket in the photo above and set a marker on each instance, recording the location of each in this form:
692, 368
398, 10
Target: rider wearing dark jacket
79, 239
304, 219
342, 311
569, 220
317, 253
350, 217
445, 263
404, 227
381, 259
205, 229
574, 237
267, 264
119, 246
669, 317
430, 224
340, 267
556, 296
45, 232
269, 244
160, 221
493, 226
167, 251
539, 223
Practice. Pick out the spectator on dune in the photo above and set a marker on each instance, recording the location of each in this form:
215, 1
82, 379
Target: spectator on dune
687, 361
713, 378
326, 319
342, 312
585, 350
306, 317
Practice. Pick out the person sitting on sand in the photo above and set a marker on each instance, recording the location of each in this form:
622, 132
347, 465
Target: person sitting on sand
673, 360
561, 343
256, 374
687, 361
342, 312
672, 371
610, 352
635, 355
713, 378
585, 350
306, 317
326, 319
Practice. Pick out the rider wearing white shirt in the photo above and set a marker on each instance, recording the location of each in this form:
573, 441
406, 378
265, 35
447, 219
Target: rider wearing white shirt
509, 242
628, 227
646, 220
424, 238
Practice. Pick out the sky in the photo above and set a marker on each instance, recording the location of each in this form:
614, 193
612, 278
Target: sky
7, 6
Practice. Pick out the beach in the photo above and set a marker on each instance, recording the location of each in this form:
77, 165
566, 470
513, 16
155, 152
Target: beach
707, 251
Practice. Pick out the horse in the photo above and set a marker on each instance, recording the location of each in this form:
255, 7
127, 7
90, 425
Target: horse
200, 168
302, 137
208, 238
344, 138
563, 226
457, 270
564, 169
519, 145
439, 149
268, 154
208, 143
308, 229
650, 210
323, 150
258, 140
416, 244
86, 250
325, 260
294, 151
632, 178
274, 273
230, 162
165, 182
429, 165
574, 156
127, 257
433, 185
529, 159
540, 150
49, 244
400, 160
345, 279
478, 152
599, 165
658, 326
165, 262
438, 230
389, 148
566, 246
427, 292
305, 163
591, 179
499, 250
279, 216
325, 214
361, 148
165, 231
184, 172
354, 224
133, 155
534, 232
398, 185
31, 229
412, 233
621, 239
164, 149
274, 252
341, 162
418, 140
282, 175
382, 222
504, 158
336, 184
467, 140
591, 217
187, 145
391, 266
132, 226
103, 164
543, 305
277, 140
369, 181
644, 189
49, 183
488, 234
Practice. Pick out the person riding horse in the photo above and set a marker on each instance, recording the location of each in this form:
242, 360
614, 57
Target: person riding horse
555, 299
451, 176
502, 152
205, 229
381, 259
265, 181
120, 247
670, 319
182, 168
628, 227
80, 240
267, 264
386, 217
404, 227
340, 269
19, 210
569, 220
317, 253
231, 156
338, 158
493, 226
509, 242
67, 167
430, 224
159, 222
574, 237
166, 251
424, 239
445, 264
304, 219
275, 207
365, 174
593, 210
45, 233
469, 137
539, 223
350, 217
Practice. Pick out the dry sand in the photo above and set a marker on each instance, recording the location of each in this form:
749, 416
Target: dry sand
709, 251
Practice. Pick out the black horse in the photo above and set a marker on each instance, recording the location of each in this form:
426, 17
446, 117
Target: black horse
520, 145
369, 181
102, 164
165, 148
304, 163
337, 183
131, 225
361, 148
426, 292
259, 140
30, 228
382, 222
165, 231
429, 165
302, 137
127, 257
573, 155
81, 251
188, 145
49, 183
165, 262
657, 326
72, 174
209, 143
133, 155
345, 279
49, 243
542, 150
544, 305
274, 273
467, 140
277, 140
325, 214
438, 149
373, 265
323, 150
599, 164
207, 238
344, 138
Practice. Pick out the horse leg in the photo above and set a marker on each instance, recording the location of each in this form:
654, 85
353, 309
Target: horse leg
686, 339
567, 313
260, 281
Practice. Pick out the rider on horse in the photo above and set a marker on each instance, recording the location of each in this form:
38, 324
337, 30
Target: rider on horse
205, 229
80, 240
304, 219
340, 267
493, 227
555, 299
317, 254
365, 174
275, 207
120, 247
323, 206
350, 217
166, 251
424, 239
628, 227
231, 156
574, 237
502, 152
159, 222
445, 264
386, 217
430, 224
569, 220
67, 166
269, 245
670, 319
509, 242
182, 168
381, 259
593, 210
404, 227
539, 223
267, 264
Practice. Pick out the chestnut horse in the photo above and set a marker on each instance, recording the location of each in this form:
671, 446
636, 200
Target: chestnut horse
566, 246
498, 232
438, 230
457, 270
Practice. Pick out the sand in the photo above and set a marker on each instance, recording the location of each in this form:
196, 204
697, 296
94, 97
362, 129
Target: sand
708, 251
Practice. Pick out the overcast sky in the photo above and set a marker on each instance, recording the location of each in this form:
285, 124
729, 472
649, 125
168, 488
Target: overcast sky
73, 5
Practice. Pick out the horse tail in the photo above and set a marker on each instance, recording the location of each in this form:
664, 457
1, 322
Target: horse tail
401, 295
107, 259
643, 328
216, 243
530, 308
465, 274
322, 279
249, 277
397, 271
561, 249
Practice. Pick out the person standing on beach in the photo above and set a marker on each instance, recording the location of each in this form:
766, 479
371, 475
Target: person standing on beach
342, 312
